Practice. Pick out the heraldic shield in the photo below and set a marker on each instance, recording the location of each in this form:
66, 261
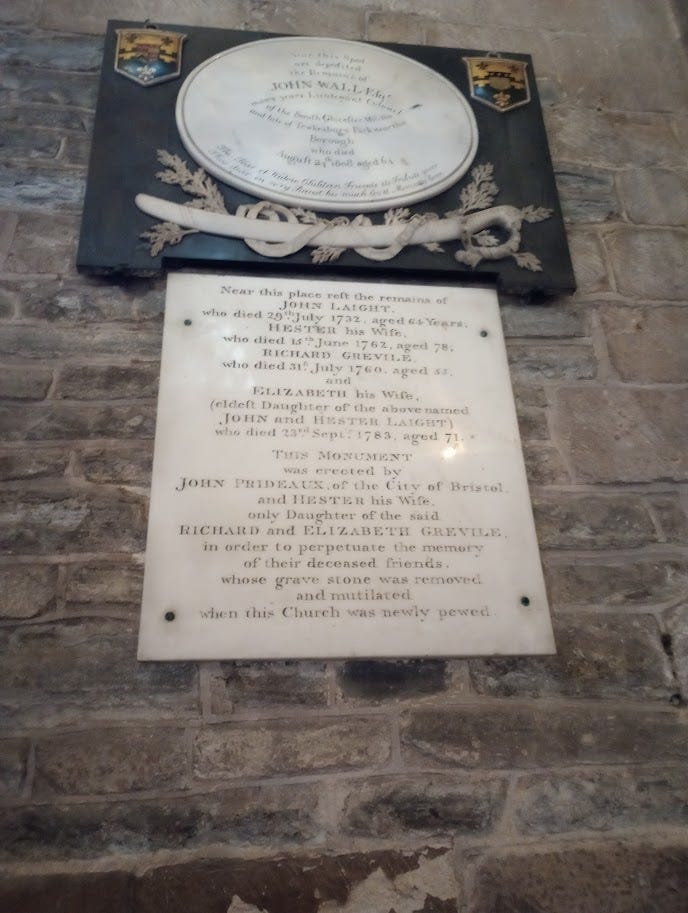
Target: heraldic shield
498, 82
148, 56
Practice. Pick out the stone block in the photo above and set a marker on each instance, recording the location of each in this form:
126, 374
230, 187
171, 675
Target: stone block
90, 18
50, 341
99, 583
646, 344
20, 12
591, 521
306, 17
6, 300
102, 610
376, 681
43, 244
29, 143
681, 16
602, 800
76, 150
588, 262
573, 53
529, 395
61, 520
54, 117
558, 319
548, 89
101, 761
499, 736
586, 194
612, 139
33, 464
633, 582
151, 306
39, 50
8, 226
13, 762
532, 423
248, 685
27, 383
129, 463
634, 36
273, 747
598, 656
543, 14
654, 196
649, 262
673, 518
680, 124
27, 590
659, 25
138, 381
618, 434
487, 36
81, 669
436, 804
48, 87
254, 815
64, 421
609, 875
87, 300
418, 878
676, 621
433, 10
544, 361
107, 892
544, 465
599, 84
395, 27
43, 189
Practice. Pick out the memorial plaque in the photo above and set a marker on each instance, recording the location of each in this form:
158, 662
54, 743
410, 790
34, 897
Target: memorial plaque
394, 161
337, 473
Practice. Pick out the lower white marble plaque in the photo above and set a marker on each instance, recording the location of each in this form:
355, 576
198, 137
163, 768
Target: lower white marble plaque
337, 473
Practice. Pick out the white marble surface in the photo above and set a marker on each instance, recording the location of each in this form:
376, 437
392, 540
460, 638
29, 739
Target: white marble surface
326, 123
337, 473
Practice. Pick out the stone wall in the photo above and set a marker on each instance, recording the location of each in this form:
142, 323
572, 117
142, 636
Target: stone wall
483, 786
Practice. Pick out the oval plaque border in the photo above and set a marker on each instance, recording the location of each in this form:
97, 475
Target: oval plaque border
328, 205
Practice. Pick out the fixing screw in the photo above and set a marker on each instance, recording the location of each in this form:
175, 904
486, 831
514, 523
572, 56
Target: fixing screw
170, 616
525, 600
483, 333
187, 322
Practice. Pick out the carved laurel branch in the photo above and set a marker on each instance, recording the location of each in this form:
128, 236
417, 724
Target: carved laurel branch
476, 217
197, 184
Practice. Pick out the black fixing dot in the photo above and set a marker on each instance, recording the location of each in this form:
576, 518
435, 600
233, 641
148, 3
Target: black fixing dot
676, 700
170, 616
483, 333
525, 600
187, 322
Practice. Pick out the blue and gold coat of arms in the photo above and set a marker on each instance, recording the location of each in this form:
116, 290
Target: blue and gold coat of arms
148, 56
499, 82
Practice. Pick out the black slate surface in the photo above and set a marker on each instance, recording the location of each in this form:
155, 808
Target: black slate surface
133, 122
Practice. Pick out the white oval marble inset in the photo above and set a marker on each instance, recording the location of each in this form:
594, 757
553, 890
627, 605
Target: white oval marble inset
326, 123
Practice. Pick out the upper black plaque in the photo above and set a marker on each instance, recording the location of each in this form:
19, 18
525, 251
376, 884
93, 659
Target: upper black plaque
444, 150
